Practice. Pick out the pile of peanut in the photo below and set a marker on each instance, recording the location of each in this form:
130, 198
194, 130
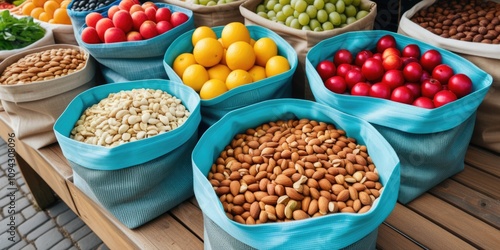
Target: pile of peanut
129, 115
292, 170
44, 65
465, 20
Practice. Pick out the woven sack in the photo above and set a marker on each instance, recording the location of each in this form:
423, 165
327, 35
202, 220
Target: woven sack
63, 33
211, 16
33, 108
486, 56
431, 143
332, 231
129, 61
140, 180
302, 40
278, 86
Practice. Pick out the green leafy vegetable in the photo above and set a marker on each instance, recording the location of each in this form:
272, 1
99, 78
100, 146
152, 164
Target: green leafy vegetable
18, 33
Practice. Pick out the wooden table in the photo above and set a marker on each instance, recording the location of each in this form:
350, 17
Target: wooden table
463, 212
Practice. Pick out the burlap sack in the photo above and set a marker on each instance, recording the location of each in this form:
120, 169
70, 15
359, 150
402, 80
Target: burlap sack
63, 33
211, 16
303, 40
33, 108
486, 56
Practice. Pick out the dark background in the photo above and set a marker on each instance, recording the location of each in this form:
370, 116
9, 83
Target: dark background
389, 13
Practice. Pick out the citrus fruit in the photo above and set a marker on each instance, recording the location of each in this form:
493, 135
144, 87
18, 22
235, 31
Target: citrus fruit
202, 32
27, 8
240, 55
50, 6
61, 16
237, 78
195, 76
35, 13
181, 62
38, 3
208, 52
212, 88
64, 4
264, 49
233, 32
276, 65
45, 17
257, 72
219, 71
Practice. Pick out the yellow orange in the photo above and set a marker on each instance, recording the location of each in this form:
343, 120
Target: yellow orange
233, 32
38, 3
240, 55
64, 4
208, 52
61, 16
195, 76
212, 88
264, 49
35, 13
219, 71
257, 72
50, 6
181, 62
45, 17
27, 8
277, 65
238, 78
202, 32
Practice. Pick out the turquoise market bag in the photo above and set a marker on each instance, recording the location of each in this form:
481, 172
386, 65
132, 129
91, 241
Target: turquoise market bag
430, 143
278, 86
130, 61
333, 231
140, 180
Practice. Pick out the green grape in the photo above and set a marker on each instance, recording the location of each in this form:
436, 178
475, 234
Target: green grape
296, 14
327, 26
304, 19
347, 2
306, 27
319, 4
356, 2
295, 24
333, 1
335, 18
271, 14
313, 23
310, 2
293, 2
289, 20
260, 8
263, 14
270, 4
361, 14
204, 2
330, 7
280, 16
317, 29
277, 7
284, 2
311, 11
322, 16
211, 3
350, 20
300, 6
196, 1
365, 6
287, 10
343, 18
340, 5
350, 11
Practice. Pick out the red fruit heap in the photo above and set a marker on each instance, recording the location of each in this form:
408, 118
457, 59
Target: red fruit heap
402, 75
130, 21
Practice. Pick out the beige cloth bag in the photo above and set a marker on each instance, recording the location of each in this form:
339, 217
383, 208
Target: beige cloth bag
211, 16
486, 56
302, 40
33, 108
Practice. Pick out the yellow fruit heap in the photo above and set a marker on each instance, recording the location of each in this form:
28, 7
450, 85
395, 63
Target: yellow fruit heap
50, 11
219, 64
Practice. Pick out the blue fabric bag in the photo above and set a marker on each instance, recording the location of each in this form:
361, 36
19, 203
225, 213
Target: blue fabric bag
332, 231
278, 86
430, 143
130, 61
140, 180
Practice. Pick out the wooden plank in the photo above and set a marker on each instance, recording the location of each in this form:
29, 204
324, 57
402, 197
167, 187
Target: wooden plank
42, 193
479, 181
480, 234
191, 216
152, 235
427, 233
484, 160
470, 201
388, 238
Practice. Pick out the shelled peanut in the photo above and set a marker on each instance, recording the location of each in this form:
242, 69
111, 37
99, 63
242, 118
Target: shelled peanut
472, 20
129, 115
292, 170
44, 65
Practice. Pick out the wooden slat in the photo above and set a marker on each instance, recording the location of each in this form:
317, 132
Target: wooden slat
479, 181
189, 215
484, 160
387, 236
470, 201
457, 221
424, 231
